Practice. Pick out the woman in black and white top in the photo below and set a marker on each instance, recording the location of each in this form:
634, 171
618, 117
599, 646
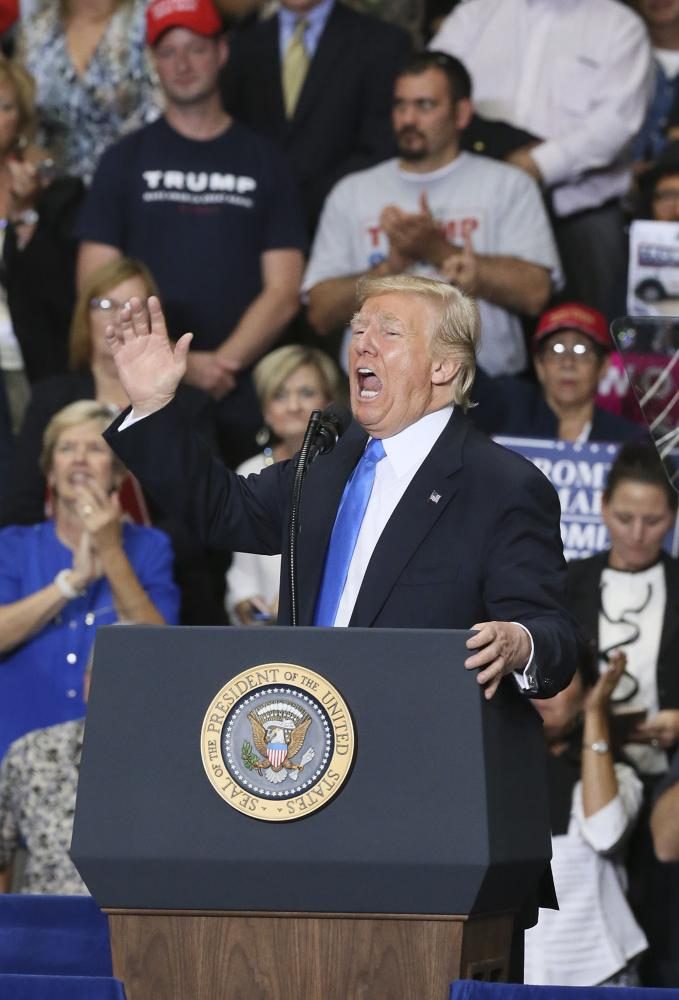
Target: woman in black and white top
628, 598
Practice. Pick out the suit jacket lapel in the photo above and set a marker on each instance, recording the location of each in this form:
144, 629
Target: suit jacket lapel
412, 520
322, 493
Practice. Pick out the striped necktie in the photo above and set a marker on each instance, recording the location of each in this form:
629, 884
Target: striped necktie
295, 65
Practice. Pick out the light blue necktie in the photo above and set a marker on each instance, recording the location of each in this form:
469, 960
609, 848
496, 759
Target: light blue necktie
348, 522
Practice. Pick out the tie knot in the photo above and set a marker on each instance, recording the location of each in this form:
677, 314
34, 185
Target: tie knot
300, 27
374, 452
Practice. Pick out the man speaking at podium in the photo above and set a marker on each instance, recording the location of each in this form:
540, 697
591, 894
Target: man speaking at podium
414, 520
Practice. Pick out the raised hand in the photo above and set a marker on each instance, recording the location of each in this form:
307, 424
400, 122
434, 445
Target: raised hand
598, 698
149, 366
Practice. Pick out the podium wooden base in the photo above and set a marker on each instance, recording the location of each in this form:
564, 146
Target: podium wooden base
295, 956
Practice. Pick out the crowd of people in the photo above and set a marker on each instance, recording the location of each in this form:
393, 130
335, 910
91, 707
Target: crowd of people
249, 164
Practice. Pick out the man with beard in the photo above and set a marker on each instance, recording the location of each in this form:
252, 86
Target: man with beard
438, 212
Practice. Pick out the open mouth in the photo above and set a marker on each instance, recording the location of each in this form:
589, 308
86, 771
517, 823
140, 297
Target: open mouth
368, 384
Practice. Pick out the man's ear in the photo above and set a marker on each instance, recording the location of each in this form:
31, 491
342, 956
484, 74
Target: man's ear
223, 51
464, 111
444, 371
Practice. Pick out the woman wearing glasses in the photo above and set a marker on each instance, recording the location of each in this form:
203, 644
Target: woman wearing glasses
93, 376
626, 599
571, 350
63, 578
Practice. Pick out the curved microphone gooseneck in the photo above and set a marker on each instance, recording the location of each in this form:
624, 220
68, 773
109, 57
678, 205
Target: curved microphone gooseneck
322, 433
302, 465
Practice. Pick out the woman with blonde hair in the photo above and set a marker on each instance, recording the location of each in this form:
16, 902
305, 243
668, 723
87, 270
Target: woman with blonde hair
93, 376
290, 382
64, 577
37, 250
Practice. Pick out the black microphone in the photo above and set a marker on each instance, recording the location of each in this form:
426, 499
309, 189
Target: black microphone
322, 434
330, 426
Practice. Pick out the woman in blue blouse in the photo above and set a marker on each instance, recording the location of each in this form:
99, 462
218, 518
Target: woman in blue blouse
63, 578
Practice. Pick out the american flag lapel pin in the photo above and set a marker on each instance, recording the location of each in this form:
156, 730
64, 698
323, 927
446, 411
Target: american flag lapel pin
434, 497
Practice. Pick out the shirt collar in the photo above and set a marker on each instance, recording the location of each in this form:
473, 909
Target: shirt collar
315, 19
408, 449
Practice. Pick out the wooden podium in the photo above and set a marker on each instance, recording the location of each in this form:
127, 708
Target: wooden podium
410, 877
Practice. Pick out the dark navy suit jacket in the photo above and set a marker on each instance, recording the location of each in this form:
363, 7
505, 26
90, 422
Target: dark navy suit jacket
488, 549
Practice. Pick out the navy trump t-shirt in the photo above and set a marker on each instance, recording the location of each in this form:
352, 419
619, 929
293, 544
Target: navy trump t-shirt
199, 214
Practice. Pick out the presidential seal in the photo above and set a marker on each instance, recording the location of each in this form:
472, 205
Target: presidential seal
277, 741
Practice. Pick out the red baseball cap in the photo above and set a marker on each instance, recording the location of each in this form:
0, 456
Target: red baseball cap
574, 316
197, 15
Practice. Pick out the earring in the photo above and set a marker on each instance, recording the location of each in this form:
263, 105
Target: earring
263, 436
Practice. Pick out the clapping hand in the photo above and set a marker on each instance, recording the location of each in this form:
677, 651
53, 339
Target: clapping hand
100, 515
211, 373
86, 566
149, 366
415, 235
662, 730
461, 268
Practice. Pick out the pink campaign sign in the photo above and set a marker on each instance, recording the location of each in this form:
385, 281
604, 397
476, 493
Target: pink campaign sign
648, 371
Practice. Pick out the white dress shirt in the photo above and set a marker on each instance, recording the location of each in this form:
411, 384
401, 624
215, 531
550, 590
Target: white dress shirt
590, 884
576, 73
405, 453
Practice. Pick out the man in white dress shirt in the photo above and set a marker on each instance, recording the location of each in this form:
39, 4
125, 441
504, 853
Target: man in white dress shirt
577, 74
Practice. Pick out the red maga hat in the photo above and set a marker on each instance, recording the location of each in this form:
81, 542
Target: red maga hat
197, 15
574, 316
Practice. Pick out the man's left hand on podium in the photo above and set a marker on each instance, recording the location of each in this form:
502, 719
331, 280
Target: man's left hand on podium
503, 647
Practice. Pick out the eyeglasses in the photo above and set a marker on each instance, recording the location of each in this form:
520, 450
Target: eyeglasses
578, 352
108, 305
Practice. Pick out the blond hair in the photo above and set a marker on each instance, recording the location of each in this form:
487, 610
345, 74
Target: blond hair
275, 368
96, 285
23, 85
457, 330
81, 412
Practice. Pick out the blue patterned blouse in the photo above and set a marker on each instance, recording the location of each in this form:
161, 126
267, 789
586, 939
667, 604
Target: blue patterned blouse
81, 116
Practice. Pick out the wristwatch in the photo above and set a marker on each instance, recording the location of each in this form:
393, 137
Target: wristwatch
599, 746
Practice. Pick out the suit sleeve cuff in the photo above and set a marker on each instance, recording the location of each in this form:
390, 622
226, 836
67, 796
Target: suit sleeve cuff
527, 678
131, 419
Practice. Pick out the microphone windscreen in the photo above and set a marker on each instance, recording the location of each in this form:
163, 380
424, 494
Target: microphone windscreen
339, 415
